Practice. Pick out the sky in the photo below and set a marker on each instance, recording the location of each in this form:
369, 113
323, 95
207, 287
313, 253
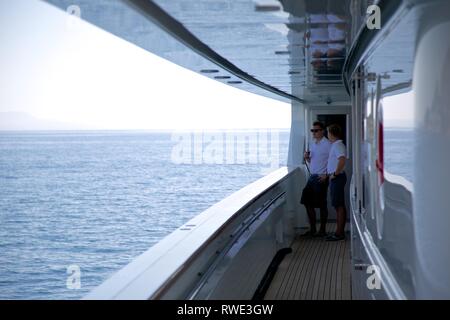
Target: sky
398, 110
85, 78
57, 75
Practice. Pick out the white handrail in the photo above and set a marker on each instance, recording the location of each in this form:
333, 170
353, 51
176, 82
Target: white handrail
144, 277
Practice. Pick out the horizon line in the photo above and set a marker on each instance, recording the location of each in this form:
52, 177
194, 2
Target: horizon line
144, 130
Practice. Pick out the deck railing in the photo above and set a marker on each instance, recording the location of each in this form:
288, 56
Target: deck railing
223, 253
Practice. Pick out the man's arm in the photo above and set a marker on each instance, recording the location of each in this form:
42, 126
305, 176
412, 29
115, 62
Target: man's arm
340, 166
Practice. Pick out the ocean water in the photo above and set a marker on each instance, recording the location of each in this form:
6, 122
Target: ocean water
96, 200
398, 152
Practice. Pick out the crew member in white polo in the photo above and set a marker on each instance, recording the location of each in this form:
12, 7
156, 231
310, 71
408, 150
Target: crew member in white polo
314, 194
338, 179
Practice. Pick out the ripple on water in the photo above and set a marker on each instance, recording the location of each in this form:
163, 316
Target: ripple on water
95, 200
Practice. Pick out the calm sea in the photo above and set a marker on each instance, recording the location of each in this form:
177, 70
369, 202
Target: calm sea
398, 152
96, 200
99, 199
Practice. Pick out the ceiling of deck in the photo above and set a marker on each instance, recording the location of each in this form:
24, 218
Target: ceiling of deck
296, 46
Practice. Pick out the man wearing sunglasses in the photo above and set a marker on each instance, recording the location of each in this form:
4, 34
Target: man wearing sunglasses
314, 194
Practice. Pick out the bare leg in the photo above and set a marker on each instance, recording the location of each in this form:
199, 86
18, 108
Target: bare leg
312, 218
341, 220
323, 219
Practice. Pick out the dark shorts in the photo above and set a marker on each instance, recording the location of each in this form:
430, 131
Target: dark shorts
337, 190
315, 192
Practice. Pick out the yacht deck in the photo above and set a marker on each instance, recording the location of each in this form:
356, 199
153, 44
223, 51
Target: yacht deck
315, 270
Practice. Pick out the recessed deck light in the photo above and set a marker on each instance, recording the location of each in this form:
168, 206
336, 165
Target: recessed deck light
222, 77
209, 71
267, 6
234, 82
282, 52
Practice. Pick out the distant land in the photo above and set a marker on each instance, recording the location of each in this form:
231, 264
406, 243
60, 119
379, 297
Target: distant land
18, 121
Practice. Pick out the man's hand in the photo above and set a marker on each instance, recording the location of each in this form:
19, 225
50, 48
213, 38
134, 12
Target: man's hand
307, 156
322, 177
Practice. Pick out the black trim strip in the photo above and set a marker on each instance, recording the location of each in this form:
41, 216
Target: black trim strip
270, 273
155, 14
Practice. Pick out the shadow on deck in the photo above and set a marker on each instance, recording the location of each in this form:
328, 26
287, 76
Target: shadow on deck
315, 270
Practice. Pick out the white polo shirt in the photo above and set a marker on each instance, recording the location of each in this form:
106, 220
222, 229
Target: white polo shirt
319, 155
337, 150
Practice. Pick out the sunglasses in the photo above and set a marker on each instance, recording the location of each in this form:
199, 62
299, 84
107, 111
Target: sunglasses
315, 130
